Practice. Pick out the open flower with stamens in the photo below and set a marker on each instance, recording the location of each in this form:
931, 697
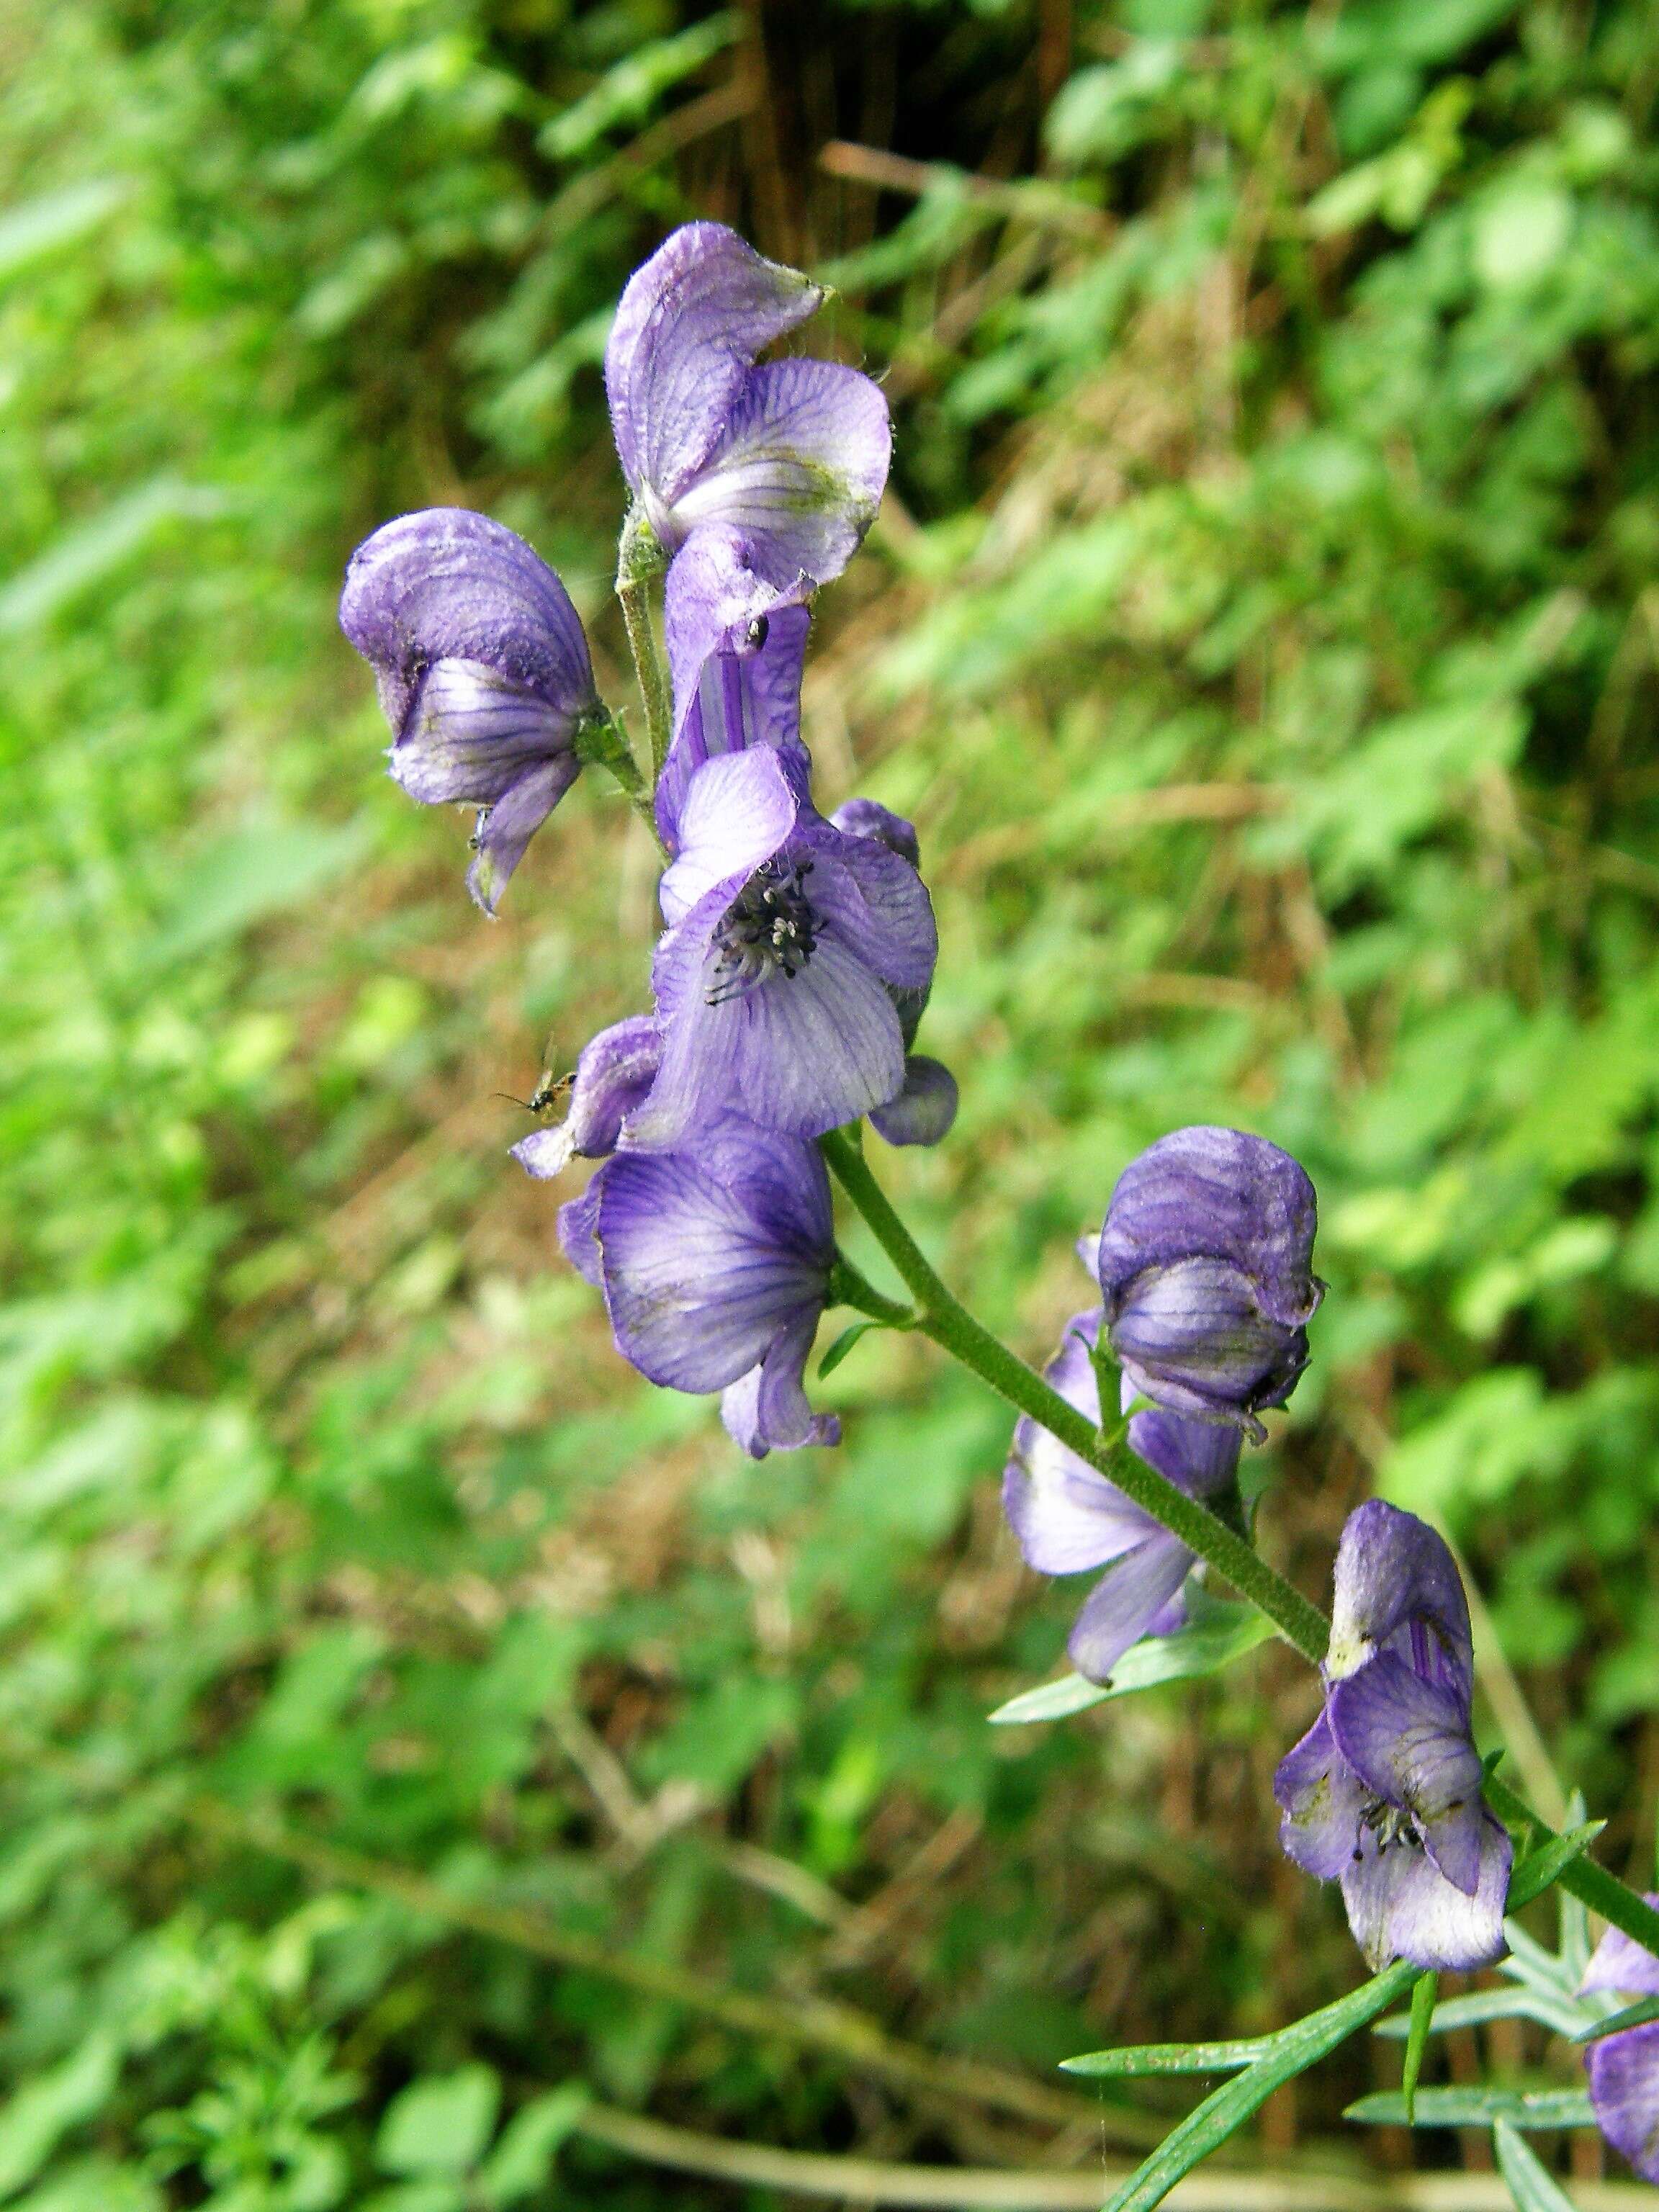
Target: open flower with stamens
483, 671
1384, 1792
794, 454
788, 942
1204, 1266
715, 1267
1623, 2068
1067, 1518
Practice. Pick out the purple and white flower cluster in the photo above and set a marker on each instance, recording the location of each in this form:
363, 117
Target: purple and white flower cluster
793, 968
798, 949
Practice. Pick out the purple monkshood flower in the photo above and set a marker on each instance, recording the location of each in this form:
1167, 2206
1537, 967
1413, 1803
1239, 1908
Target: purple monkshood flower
483, 672
715, 1267
788, 942
736, 648
613, 1076
1624, 2068
1067, 1518
926, 1107
1204, 1267
792, 454
1384, 1792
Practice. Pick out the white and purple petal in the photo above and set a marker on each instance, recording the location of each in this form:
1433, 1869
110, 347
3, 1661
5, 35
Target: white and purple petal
1192, 1335
448, 585
767, 1409
1408, 1741
710, 1262
1066, 1516
1396, 1583
799, 468
1222, 1194
1125, 1603
687, 328
739, 811
613, 1077
1323, 1803
1201, 1457
737, 645
1620, 1963
1623, 2086
877, 903
1401, 1906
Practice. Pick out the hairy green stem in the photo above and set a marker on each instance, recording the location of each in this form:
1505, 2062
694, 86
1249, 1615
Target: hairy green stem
634, 593
943, 1317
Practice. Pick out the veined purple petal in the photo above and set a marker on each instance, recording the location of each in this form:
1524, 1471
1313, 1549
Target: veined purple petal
687, 328
739, 811
448, 585
1066, 1516
511, 823
1125, 1602
1201, 1457
471, 733
709, 1261
1323, 1802
1623, 2086
1220, 1194
767, 1409
799, 468
615, 1073
867, 817
1401, 1906
878, 904
924, 1110
578, 1240
1620, 1963
483, 671
1192, 1335
1397, 1585
736, 647
1408, 1741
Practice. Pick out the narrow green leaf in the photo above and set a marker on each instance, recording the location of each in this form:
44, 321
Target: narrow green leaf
36, 229
519, 2164
1223, 1633
1417, 2038
1635, 2015
1225, 2110
1137, 2058
843, 1344
1534, 1873
45, 2108
1483, 2006
1533, 2189
1478, 2108
1050, 1701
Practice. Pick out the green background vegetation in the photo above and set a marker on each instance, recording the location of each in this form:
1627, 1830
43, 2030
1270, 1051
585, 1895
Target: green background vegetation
1263, 631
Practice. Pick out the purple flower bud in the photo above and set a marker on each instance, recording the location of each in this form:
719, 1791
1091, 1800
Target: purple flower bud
1624, 2068
1067, 1518
926, 1107
736, 648
715, 1268
483, 672
867, 817
792, 454
613, 1076
1384, 1792
787, 941
1203, 1268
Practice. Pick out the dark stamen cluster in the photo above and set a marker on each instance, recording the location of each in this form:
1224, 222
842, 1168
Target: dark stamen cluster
767, 930
1387, 1824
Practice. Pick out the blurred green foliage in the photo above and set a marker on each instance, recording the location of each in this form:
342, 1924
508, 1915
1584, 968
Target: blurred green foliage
1263, 632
